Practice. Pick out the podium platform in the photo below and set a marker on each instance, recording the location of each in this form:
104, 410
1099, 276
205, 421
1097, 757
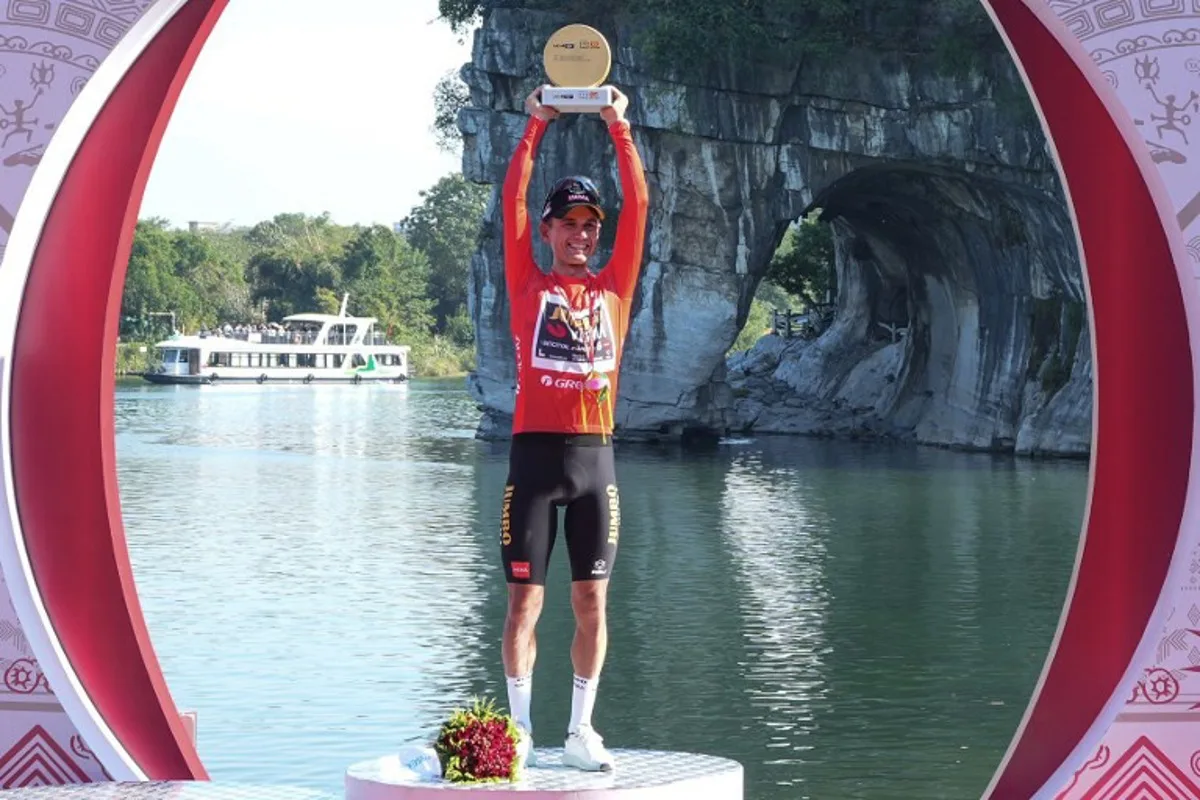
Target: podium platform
639, 775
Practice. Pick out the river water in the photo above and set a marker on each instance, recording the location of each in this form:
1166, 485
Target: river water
319, 569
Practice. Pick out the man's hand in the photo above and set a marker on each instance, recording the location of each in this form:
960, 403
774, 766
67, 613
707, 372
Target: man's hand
615, 112
533, 104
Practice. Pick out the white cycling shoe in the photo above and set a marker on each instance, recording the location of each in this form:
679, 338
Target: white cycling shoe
525, 753
585, 750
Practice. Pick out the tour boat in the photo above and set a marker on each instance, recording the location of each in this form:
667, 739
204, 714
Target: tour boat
304, 348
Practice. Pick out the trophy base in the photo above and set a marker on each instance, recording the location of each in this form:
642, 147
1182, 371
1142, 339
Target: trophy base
577, 100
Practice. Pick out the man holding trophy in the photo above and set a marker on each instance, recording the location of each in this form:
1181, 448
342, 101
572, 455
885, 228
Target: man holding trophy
568, 329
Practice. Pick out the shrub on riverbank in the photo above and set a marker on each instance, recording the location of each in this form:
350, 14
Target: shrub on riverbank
134, 358
439, 357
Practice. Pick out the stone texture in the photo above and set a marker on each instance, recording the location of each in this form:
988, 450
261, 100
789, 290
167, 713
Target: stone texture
948, 217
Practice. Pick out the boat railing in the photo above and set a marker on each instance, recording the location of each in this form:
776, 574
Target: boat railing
295, 337
264, 337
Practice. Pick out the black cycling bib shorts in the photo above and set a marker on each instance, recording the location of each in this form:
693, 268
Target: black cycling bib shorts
548, 471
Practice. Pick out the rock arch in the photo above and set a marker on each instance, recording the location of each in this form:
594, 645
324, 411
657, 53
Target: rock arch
894, 152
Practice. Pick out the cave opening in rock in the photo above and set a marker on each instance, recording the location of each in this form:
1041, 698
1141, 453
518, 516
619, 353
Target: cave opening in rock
957, 319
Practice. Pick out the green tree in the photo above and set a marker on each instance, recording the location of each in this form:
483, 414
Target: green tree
803, 265
179, 272
231, 245
217, 290
300, 236
149, 274
288, 282
758, 323
450, 96
445, 227
295, 257
388, 279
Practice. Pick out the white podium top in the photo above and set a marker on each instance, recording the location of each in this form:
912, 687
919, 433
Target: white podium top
640, 774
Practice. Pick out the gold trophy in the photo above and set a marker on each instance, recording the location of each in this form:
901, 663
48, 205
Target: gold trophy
577, 60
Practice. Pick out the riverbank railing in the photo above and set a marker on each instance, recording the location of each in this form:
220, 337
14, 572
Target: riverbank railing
801, 324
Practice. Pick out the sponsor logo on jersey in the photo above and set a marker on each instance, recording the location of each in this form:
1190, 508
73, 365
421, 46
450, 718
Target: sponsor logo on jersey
551, 382
573, 341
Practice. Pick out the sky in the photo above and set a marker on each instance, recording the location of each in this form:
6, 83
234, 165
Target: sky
293, 109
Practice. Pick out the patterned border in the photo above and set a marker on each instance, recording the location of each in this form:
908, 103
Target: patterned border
57, 52
100, 23
1087, 19
1140, 44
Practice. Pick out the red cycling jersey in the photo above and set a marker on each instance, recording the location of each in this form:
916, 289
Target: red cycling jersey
568, 329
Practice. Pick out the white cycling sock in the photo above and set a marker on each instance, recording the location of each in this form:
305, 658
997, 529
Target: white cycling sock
520, 695
583, 697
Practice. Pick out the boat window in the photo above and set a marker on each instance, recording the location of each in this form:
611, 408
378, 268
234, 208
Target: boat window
358, 360
342, 333
338, 360
374, 337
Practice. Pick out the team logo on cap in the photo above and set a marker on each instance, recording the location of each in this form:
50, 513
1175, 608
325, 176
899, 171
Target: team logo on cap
569, 192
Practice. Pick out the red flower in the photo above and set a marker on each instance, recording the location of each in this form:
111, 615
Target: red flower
478, 744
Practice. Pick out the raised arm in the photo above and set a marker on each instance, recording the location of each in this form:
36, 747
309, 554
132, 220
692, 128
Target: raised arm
629, 243
518, 230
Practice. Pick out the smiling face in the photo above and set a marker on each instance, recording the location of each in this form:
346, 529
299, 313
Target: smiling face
572, 237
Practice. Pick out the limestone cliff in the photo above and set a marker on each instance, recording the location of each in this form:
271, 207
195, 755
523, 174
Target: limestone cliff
949, 223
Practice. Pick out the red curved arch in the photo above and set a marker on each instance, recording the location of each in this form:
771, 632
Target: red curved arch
1143, 419
63, 420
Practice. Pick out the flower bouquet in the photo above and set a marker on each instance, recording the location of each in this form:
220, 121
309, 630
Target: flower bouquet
478, 745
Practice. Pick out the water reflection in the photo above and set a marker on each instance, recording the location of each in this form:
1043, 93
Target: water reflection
320, 571
773, 529
287, 548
